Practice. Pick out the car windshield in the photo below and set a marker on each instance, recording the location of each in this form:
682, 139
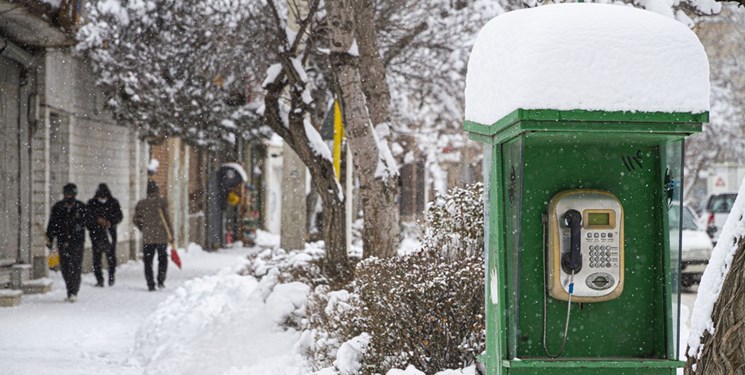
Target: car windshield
689, 218
721, 203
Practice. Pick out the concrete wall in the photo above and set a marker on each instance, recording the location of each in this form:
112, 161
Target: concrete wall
81, 143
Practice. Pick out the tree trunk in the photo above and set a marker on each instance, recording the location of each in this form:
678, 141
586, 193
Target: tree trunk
324, 181
724, 352
334, 237
372, 71
378, 178
383, 194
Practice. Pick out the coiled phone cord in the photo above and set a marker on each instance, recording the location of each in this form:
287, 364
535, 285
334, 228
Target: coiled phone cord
544, 220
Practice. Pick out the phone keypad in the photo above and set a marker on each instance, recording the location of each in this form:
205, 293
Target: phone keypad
602, 249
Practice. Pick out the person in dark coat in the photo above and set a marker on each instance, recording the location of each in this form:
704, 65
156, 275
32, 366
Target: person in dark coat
151, 218
67, 224
105, 214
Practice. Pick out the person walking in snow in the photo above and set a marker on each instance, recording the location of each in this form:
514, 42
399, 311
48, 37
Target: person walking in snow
151, 218
67, 224
105, 214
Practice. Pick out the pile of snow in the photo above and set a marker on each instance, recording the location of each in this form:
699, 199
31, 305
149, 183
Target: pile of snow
266, 240
685, 331
234, 324
349, 355
224, 324
715, 273
411, 370
588, 57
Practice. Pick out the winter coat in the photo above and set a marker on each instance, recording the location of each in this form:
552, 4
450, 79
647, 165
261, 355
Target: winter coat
67, 222
148, 220
109, 211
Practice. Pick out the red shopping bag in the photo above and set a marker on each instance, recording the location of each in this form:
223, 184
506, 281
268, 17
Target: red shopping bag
175, 257
174, 254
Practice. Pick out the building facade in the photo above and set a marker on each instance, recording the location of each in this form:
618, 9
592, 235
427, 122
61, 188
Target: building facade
54, 130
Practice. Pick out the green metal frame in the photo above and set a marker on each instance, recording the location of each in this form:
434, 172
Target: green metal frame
595, 364
523, 120
554, 132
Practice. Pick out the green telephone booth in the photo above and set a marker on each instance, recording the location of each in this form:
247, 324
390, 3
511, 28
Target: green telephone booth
534, 156
582, 229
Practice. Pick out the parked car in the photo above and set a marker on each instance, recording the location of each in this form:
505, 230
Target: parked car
716, 211
696, 246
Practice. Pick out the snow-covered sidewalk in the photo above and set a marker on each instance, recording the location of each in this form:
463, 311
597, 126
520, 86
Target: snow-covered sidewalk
194, 325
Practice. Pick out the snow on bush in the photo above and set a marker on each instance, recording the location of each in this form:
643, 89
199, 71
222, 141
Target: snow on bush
424, 310
296, 265
470, 370
410, 370
454, 223
287, 303
333, 317
349, 357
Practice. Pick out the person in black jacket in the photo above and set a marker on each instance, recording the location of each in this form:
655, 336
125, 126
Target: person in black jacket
105, 213
67, 224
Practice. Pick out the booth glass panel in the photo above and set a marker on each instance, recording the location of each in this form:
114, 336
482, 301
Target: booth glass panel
673, 172
513, 197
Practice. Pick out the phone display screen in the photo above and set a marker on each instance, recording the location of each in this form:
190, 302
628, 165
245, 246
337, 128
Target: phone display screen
598, 219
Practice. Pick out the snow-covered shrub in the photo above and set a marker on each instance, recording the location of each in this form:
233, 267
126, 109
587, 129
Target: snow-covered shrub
296, 265
306, 266
334, 317
276, 268
454, 223
287, 303
425, 309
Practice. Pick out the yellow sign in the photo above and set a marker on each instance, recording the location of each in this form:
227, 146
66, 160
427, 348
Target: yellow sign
338, 135
234, 198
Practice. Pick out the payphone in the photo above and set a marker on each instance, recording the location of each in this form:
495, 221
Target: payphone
584, 260
585, 246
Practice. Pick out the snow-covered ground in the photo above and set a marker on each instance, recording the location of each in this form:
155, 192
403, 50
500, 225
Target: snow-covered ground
207, 320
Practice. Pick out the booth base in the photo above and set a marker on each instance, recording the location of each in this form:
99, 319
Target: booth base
592, 366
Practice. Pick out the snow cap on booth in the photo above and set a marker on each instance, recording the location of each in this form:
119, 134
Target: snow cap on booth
585, 57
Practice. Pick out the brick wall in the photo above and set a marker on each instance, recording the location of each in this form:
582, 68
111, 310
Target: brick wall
160, 153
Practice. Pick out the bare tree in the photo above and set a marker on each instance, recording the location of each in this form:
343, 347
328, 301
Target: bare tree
193, 69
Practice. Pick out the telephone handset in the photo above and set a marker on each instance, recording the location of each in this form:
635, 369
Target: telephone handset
572, 259
585, 246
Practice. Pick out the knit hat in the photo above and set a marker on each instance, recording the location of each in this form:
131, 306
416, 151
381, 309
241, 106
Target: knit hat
103, 191
70, 189
152, 188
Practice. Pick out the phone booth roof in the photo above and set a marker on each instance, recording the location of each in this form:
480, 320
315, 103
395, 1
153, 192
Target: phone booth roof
585, 57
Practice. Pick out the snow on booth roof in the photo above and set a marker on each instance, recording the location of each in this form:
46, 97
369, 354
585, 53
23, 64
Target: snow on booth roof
588, 57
